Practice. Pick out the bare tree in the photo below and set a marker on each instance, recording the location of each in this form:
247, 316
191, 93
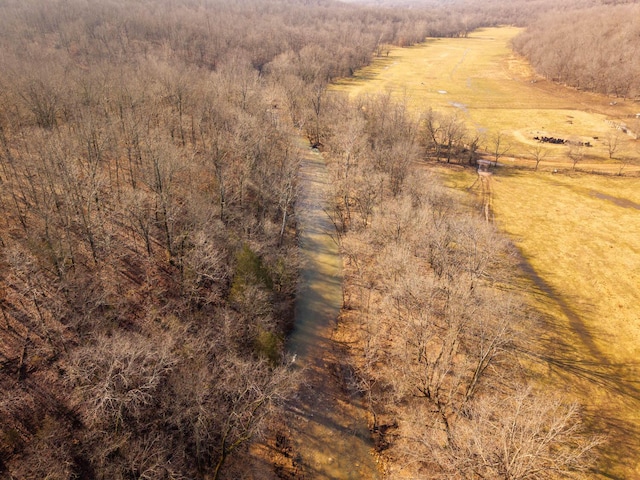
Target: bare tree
498, 147
317, 100
444, 135
527, 436
537, 154
42, 98
118, 377
472, 144
250, 400
432, 132
612, 141
453, 133
348, 150
575, 153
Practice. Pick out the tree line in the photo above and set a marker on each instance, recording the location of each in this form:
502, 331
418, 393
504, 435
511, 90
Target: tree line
438, 342
592, 48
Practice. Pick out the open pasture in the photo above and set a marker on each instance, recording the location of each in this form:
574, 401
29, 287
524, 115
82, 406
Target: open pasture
577, 233
482, 81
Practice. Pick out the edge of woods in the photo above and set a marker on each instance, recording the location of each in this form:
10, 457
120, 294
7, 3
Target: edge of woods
147, 241
442, 345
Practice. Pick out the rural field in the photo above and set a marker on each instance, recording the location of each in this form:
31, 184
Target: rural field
575, 221
495, 92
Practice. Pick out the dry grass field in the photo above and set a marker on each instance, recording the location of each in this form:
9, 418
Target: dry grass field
481, 80
577, 232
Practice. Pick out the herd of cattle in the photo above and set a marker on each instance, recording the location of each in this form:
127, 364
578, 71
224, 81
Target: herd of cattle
562, 141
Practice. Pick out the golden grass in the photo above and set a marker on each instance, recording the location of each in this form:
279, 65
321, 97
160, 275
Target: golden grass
495, 91
578, 233
583, 244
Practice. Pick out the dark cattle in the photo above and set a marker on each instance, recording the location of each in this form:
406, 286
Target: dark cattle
554, 140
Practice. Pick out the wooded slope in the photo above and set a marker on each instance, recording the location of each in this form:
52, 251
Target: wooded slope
147, 236
596, 49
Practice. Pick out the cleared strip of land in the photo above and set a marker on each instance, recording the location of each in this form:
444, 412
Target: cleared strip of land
326, 425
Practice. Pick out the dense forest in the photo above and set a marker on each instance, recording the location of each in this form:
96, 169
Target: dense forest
595, 49
148, 255
148, 169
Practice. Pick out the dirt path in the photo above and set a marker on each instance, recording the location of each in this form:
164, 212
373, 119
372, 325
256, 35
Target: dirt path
326, 429
485, 181
486, 198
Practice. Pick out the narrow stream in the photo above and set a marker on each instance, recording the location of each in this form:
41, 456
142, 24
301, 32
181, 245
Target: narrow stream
326, 422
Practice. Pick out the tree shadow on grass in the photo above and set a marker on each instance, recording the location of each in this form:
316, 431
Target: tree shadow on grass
609, 391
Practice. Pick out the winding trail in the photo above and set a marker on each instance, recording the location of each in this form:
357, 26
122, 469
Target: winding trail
326, 422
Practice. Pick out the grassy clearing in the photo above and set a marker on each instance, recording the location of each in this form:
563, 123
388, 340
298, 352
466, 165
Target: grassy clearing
583, 244
480, 79
578, 233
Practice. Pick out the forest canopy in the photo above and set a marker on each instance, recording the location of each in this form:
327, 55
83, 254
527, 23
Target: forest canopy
148, 258
148, 155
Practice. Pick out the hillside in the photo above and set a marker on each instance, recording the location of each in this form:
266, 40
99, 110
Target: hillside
149, 160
